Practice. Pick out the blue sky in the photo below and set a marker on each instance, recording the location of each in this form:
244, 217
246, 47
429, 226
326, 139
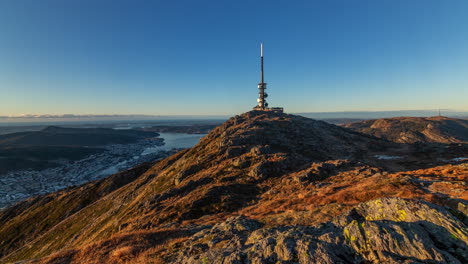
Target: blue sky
201, 57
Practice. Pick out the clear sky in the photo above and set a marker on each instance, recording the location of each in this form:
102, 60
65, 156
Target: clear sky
201, 57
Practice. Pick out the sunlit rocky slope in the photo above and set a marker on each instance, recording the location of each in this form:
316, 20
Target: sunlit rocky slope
436, 129
260, 188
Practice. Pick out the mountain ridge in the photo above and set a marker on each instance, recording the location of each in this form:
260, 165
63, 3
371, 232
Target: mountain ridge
437, 129
275, 169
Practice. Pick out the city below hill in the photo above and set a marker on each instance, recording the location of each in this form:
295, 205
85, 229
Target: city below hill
262, 187
39, 162
436, 129
47, 148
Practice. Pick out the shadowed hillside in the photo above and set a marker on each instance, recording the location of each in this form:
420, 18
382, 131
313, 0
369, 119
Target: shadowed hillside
261, 188
437, 129
38, 150
61, 136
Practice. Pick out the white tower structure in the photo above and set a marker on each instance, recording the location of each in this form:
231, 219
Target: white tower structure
262, 95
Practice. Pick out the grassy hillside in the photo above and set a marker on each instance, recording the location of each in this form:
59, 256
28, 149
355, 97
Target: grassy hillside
278, 172
415, 129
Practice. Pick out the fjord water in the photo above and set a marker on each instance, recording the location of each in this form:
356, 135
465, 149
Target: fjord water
19, 185
174, 141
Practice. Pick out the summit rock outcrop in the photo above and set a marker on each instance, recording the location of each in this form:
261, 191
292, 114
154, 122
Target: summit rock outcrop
386, 230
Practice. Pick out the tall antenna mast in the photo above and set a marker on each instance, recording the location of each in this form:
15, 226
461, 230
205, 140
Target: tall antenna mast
261, 60
262, 104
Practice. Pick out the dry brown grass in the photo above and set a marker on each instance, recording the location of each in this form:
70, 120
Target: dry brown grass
314, 203
124, 253
135, 247
155, 255
285, 201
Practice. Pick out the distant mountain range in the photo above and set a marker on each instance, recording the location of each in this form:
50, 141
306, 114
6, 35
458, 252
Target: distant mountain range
87, 118
61, 136
384, 114
316, 115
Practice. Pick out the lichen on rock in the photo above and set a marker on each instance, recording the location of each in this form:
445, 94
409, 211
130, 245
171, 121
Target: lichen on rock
424, 233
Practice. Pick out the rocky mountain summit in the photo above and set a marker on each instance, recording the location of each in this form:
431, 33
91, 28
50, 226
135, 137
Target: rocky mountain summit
387, 230
436, 129
261, 188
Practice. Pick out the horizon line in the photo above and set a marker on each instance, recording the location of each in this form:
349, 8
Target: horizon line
146, 117
53, 116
